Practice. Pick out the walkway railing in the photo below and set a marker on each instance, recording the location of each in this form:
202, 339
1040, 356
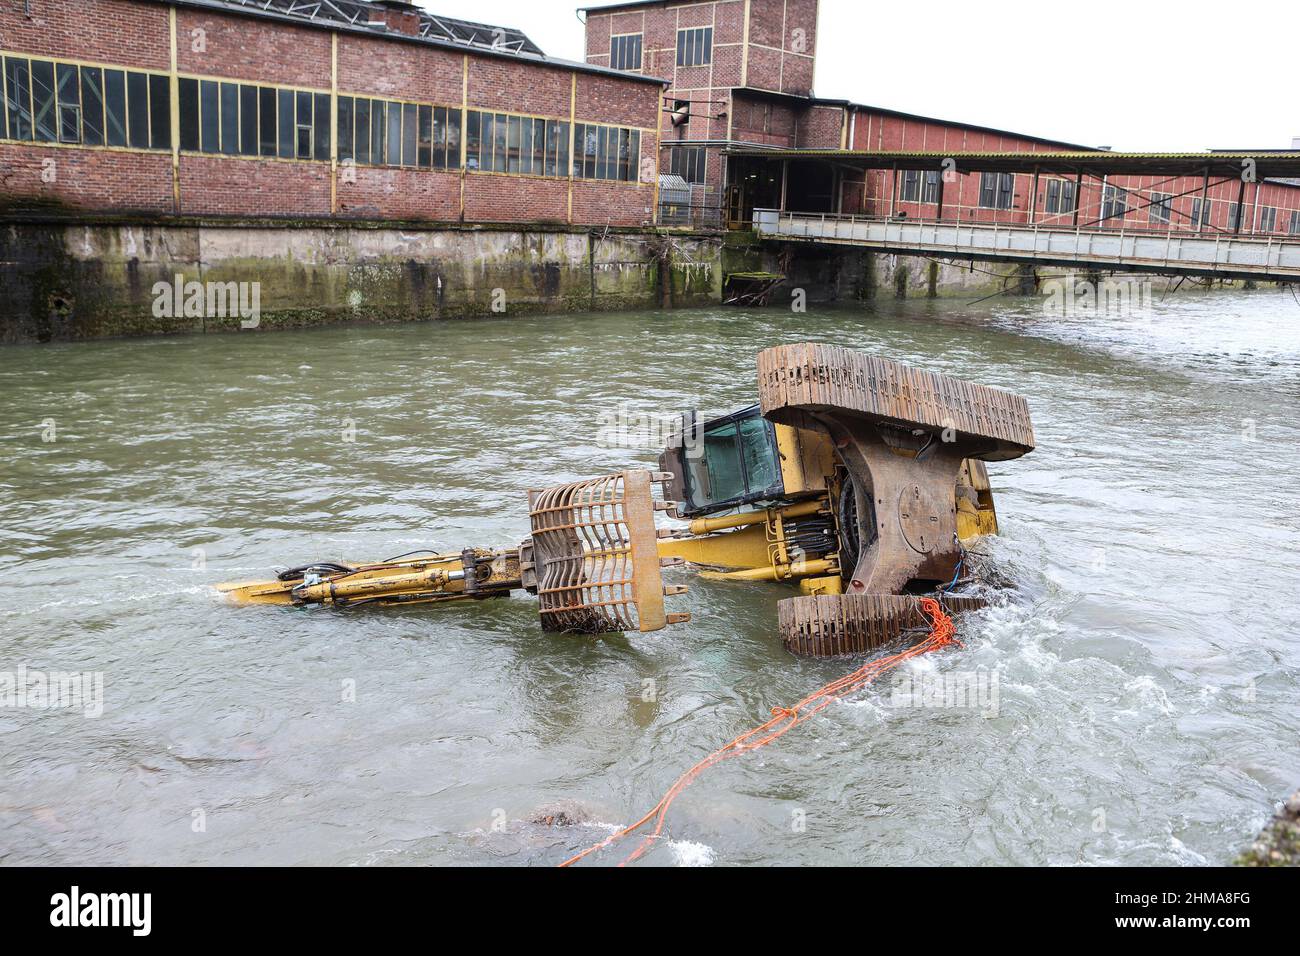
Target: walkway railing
1186, 253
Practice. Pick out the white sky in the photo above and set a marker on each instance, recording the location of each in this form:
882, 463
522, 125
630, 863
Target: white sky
1130, 74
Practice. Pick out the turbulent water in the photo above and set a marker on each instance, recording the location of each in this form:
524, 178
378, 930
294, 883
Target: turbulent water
1142, 673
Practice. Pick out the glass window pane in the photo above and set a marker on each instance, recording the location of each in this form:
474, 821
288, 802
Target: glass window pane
68, 78
160, 111
453, 139
394, 134
501, 131
512, 144
526, 145
472, 139
427, 157
115, 107
345, 128
488, 138
722, 458
248, 144
92, 106
363, 130
285, 108
137, 110
229, 118
303, 150
410, 132
209, 116
18, 97
762, 471
188, 91
267, 120
378, 132
321, 150
43, 100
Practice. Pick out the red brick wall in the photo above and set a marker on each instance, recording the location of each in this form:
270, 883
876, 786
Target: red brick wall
88, 179
122, 32
491, 198
242, 48
615, 204
874, 130
382, 192
401, 71
254, 187
135, 33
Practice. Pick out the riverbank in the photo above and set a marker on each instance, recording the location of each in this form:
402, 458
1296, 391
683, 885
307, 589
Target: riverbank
1279, 842
68, 279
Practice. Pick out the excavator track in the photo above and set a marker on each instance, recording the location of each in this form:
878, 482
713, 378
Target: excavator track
830, 625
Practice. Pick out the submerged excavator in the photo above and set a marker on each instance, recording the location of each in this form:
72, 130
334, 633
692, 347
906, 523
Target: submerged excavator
856, 479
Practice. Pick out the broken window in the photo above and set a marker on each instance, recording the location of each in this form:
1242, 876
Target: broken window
1161, 207
92, 106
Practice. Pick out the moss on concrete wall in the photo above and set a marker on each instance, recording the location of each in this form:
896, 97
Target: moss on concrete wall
61, 280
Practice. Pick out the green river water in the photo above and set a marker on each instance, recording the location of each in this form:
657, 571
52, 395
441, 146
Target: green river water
1146, 657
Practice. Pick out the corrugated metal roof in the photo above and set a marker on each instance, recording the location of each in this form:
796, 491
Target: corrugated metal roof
361, 13
437, 30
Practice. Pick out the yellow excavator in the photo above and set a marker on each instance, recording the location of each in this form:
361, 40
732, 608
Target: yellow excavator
854, 478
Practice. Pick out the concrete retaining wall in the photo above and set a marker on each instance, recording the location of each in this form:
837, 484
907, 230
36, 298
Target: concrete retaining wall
61, 281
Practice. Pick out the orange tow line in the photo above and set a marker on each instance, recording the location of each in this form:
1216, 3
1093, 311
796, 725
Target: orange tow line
942, 634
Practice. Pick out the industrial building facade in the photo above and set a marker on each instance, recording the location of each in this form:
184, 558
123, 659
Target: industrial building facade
740, 75
352, 109
294, 109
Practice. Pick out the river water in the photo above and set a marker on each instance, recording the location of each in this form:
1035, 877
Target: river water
1142, 671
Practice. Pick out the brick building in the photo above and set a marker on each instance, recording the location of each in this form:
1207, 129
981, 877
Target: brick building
380, 110
374, 110
740, 75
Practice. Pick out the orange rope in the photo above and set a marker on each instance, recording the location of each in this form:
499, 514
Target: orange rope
942, 634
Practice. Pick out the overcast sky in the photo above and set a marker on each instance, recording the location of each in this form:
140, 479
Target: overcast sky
1131, 74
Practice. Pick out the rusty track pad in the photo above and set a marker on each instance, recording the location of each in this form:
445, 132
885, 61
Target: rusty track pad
830, 624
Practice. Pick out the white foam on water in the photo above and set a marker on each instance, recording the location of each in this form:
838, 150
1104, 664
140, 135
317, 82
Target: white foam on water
690, 853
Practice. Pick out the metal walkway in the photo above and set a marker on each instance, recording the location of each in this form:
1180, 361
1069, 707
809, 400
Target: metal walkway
1174, 253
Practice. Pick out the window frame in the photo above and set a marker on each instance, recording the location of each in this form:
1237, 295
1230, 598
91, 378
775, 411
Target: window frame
618, 51
695, 46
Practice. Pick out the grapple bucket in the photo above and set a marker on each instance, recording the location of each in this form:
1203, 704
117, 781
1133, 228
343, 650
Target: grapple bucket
595, 556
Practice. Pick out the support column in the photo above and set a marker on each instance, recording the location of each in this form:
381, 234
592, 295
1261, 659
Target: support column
175, 119
1241, 208
334, 123
1205, 202
1033, 198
